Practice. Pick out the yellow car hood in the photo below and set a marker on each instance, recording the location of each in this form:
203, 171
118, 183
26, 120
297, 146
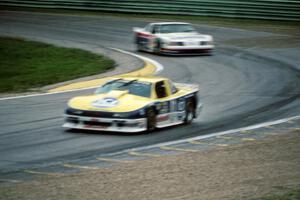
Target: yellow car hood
113, 101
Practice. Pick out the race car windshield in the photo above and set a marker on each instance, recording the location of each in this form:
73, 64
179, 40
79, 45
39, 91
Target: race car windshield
176, 28
134, 87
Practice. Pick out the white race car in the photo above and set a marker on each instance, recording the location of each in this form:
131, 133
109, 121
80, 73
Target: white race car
172, 38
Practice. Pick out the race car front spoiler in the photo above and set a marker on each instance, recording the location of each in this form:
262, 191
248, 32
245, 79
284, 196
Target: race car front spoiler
191, 51
105, 124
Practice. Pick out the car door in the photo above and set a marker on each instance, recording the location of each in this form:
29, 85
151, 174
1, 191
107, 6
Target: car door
171, 109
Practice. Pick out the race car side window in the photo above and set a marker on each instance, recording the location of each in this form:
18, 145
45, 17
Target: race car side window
155, 29
160, 89
172, 87
148, 28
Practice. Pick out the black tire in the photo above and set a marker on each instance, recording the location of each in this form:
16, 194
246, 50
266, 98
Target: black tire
157, 48
151, 120
190, 113
139, 47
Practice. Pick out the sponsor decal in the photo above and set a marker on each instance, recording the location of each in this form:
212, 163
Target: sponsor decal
163, 107
173, 105
163, 118
107, 102
181, 104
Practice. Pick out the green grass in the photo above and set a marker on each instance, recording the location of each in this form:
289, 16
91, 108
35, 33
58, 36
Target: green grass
23, 67
291, 195
25, 64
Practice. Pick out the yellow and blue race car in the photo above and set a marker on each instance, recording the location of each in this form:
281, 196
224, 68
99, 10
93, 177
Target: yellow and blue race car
134, 104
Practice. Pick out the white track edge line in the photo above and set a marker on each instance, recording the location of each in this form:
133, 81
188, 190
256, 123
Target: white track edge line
10, 180
158, 66
247, 128
44, 94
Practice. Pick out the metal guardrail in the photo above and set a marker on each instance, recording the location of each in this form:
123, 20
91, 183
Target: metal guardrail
254, 9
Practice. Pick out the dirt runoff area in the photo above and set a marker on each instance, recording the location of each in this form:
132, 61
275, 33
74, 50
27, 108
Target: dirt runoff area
244, 171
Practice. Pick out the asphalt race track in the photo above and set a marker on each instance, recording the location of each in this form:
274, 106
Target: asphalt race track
239, 87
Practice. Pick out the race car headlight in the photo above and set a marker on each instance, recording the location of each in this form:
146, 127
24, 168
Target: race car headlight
142, 112
72, 111
139, 113
206, 43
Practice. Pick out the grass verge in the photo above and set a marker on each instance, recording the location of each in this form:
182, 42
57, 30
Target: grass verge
25, 64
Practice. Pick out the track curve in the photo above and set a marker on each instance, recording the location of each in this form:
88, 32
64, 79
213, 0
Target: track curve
239, 87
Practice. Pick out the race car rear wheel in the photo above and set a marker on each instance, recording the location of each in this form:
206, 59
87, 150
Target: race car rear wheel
139, 47
190, 110
157, 48
151, 120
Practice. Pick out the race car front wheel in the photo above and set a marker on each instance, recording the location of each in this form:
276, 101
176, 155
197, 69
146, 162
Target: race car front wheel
190, 110
151, 120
